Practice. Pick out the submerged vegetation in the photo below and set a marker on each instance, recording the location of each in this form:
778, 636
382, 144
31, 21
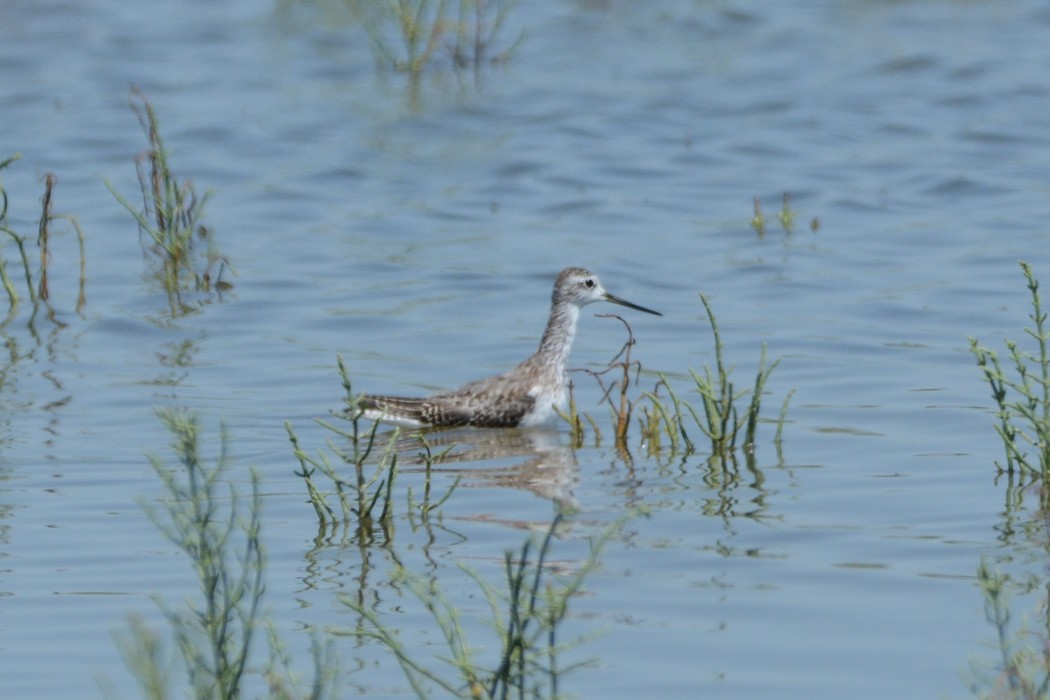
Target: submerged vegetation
615, 394
1022, 398
786, 217
37, 287
724, 413
726, 417
414, 37
218, 641
201, 515
365, 500
1022, 669
526, 619
180, 249
353, 483
409, 34
1020, 388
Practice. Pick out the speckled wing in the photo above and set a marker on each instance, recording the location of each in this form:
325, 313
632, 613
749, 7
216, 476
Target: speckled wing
481, 409
507, 414
496, 402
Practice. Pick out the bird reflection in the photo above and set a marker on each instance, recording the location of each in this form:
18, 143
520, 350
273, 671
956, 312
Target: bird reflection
548, 470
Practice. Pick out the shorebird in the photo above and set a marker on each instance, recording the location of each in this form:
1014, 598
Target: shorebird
524, 396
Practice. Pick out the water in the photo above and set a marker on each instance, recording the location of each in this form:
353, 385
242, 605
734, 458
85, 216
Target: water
417, 232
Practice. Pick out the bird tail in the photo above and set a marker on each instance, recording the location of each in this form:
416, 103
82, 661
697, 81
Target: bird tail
395, 409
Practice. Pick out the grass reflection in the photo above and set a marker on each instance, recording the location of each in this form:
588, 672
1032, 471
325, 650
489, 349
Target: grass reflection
526, 618
1021, 669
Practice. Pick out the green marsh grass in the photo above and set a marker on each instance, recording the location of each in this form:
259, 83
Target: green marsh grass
615, 394
786, 217
719, 413
575, 419
364, 495
180, 249
723, 418
758, 221
526, 618
19, 241
429, 459
39, 293
480, 21
409, 34
205, 518
1022, 396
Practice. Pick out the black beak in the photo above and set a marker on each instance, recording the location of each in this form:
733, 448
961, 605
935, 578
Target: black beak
629, 305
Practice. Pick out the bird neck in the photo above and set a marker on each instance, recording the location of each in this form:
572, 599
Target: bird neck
559, 334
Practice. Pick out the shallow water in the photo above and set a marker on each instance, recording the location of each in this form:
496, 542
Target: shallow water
416, 232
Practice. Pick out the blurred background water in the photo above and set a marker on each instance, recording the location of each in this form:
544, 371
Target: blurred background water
414, 226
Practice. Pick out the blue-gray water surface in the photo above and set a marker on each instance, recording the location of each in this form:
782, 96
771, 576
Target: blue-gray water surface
414, 227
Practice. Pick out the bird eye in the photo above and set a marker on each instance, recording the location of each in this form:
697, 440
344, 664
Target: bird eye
588, 283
